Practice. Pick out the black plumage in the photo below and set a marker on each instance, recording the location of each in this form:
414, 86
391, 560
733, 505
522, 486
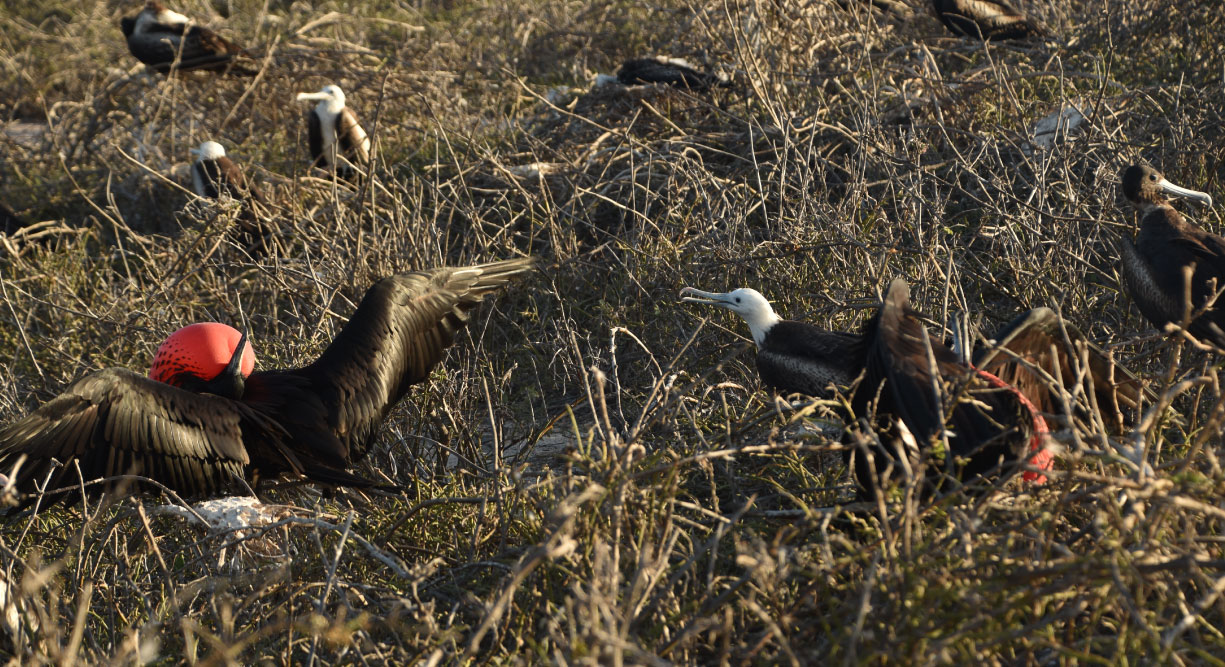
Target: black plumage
991, 412
314, 421
1154, 268
168, 41
670, 71
987, 19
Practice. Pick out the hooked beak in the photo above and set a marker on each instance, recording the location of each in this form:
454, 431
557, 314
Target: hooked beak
1171, 189
230, 382
692, 295
304, 97
195, 151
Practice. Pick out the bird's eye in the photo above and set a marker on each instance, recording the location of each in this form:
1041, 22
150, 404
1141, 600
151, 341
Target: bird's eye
1152, 177
737, 299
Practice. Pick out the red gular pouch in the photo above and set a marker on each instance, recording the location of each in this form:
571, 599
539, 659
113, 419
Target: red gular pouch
203, 350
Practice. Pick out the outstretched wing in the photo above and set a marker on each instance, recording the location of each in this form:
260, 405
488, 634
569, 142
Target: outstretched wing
1039, 343
115, 422
399, 332
921, 382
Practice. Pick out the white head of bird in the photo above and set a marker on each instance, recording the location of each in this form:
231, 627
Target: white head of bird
209, 150
155, 13
746, 302
331, 99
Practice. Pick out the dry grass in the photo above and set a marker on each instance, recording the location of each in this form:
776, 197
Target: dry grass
600, 477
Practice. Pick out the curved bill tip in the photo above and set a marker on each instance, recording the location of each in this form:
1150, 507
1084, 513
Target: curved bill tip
1201, 197
694, 295
306, 97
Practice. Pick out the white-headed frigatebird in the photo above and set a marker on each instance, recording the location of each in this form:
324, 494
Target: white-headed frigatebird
992, 410
203, 418
214, 175
336, 138
1154, 267
169, 41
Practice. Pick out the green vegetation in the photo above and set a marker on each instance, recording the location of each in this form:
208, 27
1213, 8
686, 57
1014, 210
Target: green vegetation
599, 476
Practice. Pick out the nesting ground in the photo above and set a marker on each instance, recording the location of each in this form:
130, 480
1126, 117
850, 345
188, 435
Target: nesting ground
599, 475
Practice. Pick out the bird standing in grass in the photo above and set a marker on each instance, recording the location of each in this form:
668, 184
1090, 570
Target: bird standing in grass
337, 140
215, 175
168, 41
989, 425
1168, 251
203, 420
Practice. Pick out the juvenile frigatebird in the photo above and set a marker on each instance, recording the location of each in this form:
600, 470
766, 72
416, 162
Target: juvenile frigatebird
203, 420
214, 175
336, 138
1154, 267
674, 72
987, 19
994, 406
169, 41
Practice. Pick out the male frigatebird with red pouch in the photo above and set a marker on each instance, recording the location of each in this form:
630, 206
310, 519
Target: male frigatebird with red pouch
203, 420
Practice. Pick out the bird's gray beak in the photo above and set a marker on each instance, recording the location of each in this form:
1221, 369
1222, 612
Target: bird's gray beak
692, 295
304, 97
1171, 189
230, 381
195, 151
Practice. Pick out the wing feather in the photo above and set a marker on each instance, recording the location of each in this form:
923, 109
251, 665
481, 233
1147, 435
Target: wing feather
114, 419
400, 331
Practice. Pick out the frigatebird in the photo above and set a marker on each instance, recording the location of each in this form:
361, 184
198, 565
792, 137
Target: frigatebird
987, 19
1155, 267
168, 41
203, 419
991, 410
675, 72
335, 135
215, 175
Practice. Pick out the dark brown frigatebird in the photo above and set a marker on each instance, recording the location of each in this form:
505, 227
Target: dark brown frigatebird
987, 19
336, 138
674, 72
991, 410
203, 420
1156, 266
215, 175
169, 41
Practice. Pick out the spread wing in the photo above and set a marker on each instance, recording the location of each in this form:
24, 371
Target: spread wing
921, 382
115, 422
1039, 343
354, 144
399, 332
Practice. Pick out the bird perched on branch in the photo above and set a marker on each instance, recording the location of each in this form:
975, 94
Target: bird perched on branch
987, 19
991, 413
203, 420
1169, 250
168, 42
